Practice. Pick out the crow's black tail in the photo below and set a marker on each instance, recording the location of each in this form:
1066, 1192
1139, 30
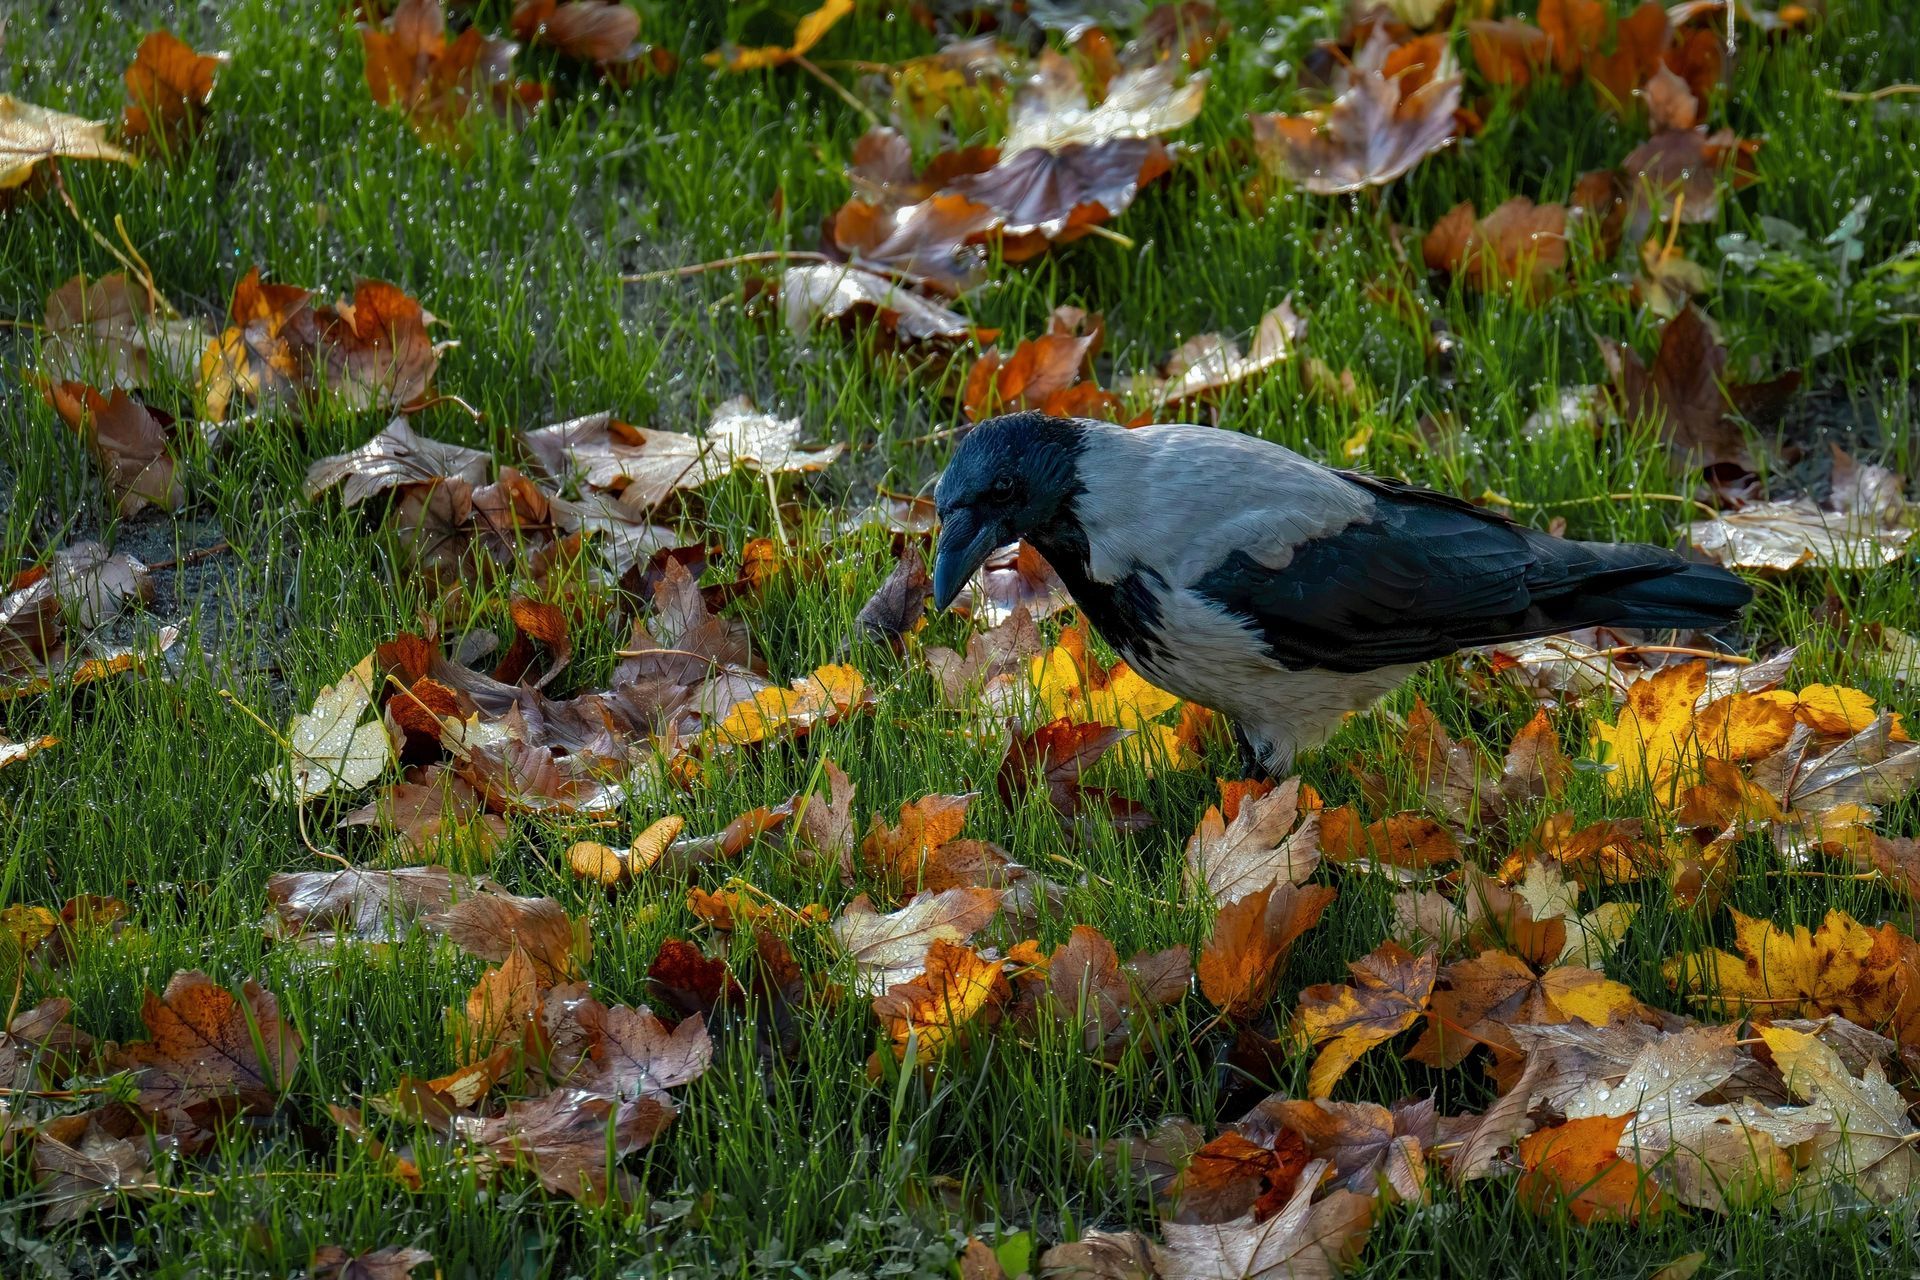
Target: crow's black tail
1633, 585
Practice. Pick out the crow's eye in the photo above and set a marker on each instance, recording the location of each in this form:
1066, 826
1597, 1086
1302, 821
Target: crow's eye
1002, 489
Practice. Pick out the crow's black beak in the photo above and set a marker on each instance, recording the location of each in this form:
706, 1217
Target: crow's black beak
965, 543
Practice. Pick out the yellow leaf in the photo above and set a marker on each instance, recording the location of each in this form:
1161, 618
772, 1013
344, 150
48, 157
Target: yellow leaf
1843, 968
806, 34
30, 134
1746, 726
1655, 731
935, 1010
1834, 709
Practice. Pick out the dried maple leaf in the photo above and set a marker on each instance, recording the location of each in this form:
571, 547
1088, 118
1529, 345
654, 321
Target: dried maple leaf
1509, 52
1520, 246
207, 1044
1052, 373
1082, 988
1681, 173
396, 456
114, 334
1389, 992
374, 352
1232, 1176
331, 746
1212, 362
571, 1140
432, 811
1792, 533
12, 753
494, 925
1012, 579
1873, 1143
620, 1052
887, 950
1484, 995
266, 354
995, 665
1689, 393
1247, 951
1374, 130
1055, 755
1577, 1165
436, 82
1066, 166
1369, 1146
129, 440
83, 1161
395, 1262
30, 135
691, 981
39, 1047
830, 694
1875, 766
939, 1009
1535, 768
361, 904
806, 33
168, 88
1305, 1240
501, 1011
1843, 967
833, 291
1260, 847
1401, 844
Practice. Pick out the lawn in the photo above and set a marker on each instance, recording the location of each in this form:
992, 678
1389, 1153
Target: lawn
550, 245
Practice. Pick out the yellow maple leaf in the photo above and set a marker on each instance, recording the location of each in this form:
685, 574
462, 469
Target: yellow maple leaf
1843, 967
936, 1010
1654, 732
1834, 709
1746, 726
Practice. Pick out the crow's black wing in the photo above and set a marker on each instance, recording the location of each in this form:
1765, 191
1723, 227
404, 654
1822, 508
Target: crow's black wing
1430, 574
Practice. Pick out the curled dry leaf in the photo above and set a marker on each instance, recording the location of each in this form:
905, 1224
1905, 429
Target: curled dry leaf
1307, 1239
958, 989
83, 1161
830, 291
361, 904
395, 457
112, 333
1212, 362
1520, 245
1245, 955
899, 607
1794, 533
1375, 129
1371, 1148
591, 860
887, 950
129, 440
1054, 756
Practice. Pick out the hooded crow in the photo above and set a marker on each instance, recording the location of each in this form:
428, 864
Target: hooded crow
1284, 594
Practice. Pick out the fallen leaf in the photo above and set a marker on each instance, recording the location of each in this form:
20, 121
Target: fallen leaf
1843, 967
494, 925
1305, 1240
1576, 1164
435, 82
1373, 131
1519, 246
890, 949
1791, 533
591, 860
1389, 992
1260, 847
168, 88
1211, 362
331, 746
1247, 951
1368, 1145
938, 1009
30, 134
331, 1262
207, 1044
806, 33
1872, 1145
361, 904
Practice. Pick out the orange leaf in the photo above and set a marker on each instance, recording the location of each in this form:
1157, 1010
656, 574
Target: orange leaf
1577, 1164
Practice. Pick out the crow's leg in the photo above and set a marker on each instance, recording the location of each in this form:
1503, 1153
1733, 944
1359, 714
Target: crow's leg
1250, 763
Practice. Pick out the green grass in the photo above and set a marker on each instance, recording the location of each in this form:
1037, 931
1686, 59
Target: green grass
800, 1166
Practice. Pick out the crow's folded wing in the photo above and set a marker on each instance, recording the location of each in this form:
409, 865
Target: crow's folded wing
1428, 574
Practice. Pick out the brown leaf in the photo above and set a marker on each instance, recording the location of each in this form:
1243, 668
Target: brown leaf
1509, 52
1014, 578
168, 88
690, 981
361, 904
565, 1139
897, 609
1683, 391
1210, 363
129, 440
1259, 847
110, 333
1374, 130
1367, 1144
1520, 245
1055, 755
620, 1052
331, 1262
1305, 1240
1536, 768
208, 1045
83, 1161
1577, 1165
412, 66
1251, 939
500, 1011
493, 925
1402, 842
40, 1046
1389, 992
1231, 1176
889, 949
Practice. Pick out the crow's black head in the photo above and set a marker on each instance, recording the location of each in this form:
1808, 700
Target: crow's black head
1010, 478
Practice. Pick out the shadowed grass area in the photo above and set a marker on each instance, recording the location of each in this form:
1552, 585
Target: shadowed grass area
802, 1166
